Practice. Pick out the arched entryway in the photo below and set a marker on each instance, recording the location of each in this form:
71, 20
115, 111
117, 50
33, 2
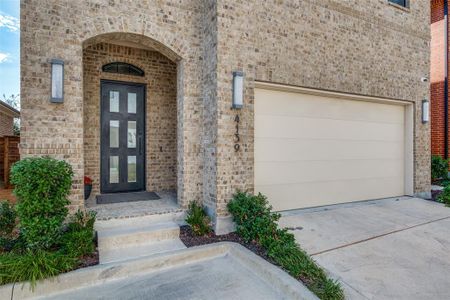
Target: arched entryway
129, 114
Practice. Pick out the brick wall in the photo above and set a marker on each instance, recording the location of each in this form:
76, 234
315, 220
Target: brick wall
161, 117
54, 29
437, 78
363, 47
6, 124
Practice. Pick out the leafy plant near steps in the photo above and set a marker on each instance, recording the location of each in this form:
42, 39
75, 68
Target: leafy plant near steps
198, 219
78, 240
23, 264
256, 222
439, 168
444, 197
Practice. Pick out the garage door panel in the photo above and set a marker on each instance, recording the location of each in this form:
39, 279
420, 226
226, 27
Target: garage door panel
313, 150
273, 149
275, 173
309, 128
318, 194
285, 104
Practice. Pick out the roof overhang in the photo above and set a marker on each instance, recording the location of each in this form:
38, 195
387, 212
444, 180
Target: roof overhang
9, 110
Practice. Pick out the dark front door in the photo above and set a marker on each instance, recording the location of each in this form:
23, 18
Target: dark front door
122, 137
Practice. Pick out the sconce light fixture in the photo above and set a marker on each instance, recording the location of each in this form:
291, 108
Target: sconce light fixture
57, 91
238, 90
425, 111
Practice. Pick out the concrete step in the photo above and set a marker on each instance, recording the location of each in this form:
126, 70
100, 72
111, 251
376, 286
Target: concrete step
136, 235
129, 239
177, 217
146, 249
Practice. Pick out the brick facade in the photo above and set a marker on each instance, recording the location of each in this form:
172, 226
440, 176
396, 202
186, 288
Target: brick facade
437, 78
363, 47
6, 124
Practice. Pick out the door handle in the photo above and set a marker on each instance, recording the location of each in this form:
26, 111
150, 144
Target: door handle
140, 145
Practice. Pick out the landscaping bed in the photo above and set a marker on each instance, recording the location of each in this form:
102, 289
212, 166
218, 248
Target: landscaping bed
257, 230
38, 237
189, 239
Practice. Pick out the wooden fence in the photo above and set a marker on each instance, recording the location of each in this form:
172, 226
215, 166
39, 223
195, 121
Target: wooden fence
9, 154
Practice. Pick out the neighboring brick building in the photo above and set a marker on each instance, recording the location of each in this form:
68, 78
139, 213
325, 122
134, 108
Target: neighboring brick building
332, 98
7, 115
438, 75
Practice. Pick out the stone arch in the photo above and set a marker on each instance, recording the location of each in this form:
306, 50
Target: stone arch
141, 42
136, 41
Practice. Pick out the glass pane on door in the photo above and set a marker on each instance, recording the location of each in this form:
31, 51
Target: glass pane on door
131, 168
131, 134
132, 103
114, 101
114, 134
113, 169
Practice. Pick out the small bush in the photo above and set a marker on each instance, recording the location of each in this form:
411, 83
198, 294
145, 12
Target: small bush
77, 241
33, 266
198, 219
439, 168
7, 225
7, 218
256, 222
41, 186
253, 216
444, 197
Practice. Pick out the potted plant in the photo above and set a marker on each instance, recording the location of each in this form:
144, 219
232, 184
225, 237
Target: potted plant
87, 187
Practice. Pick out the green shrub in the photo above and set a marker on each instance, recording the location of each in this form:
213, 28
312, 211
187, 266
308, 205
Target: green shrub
439, 168
33, 266
7, 218
253, 216
77, 241
41, 186
444, 197
198, 219
7, 225
255, 222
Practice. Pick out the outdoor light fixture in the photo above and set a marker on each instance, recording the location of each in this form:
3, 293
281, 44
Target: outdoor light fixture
57, 81
238, 89
425, 111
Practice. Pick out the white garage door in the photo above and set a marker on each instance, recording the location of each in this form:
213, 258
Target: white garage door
318, 150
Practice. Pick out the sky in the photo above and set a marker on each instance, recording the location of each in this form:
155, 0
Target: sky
9, 47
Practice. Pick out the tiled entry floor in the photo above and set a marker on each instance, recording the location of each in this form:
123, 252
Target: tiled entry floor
167, 204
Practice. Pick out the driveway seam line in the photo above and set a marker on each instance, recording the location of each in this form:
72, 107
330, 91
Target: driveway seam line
378, 236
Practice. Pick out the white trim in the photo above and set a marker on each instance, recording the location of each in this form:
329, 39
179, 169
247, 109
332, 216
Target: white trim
325, 93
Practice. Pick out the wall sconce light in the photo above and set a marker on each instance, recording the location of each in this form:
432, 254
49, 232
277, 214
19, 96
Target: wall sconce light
57, 92
238, 90
425, 111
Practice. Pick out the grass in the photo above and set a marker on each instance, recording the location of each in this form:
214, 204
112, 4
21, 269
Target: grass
20, 263
33, 266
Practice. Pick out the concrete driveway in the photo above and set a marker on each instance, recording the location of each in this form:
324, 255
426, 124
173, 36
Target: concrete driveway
385, 249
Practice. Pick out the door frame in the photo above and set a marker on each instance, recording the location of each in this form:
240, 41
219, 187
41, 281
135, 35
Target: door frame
144, 86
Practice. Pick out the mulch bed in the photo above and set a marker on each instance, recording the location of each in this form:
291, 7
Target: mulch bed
89, 260
190, 240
